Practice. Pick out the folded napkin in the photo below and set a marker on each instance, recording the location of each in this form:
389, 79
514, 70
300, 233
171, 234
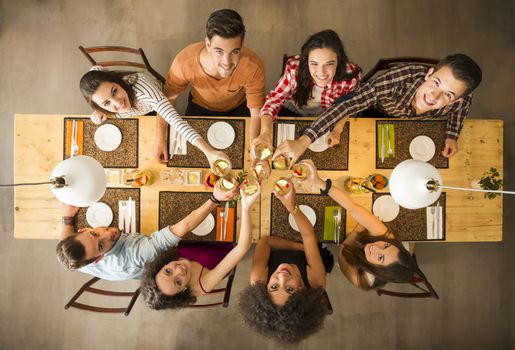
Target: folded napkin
390, 133
177, 144
229, 236
127, 216
79, 137
329, 223
434, 232
285, 132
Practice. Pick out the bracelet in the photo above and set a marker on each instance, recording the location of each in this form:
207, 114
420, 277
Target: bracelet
68, 220
213, 199
328, 184
295, 209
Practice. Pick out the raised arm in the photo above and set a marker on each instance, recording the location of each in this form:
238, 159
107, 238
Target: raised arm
315, 269
68, 218
211, 278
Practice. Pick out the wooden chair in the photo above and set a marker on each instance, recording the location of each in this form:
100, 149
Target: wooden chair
145, 65
385, 64
418, 277
226, 293
87, 288
286, 57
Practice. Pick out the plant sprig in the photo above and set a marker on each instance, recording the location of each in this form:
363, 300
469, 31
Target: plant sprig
491, 181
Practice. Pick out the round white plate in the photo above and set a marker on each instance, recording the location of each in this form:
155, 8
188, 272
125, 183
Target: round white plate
320, 144
205, 227
310, 214
108, 137
99, 214
221, 135
385, 208
422, 148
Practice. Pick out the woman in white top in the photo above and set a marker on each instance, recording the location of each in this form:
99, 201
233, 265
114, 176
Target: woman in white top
125, 94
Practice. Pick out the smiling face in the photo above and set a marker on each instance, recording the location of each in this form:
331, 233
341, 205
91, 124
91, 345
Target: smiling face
174, 277
224, 54
439, 89
111, 97
381, 253
284, 282
98, 241
322, 66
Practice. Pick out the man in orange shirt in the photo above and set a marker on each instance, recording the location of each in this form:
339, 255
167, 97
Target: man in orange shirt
226, 78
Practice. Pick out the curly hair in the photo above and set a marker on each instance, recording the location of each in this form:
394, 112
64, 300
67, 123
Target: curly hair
326, 39
90, 82
71, 253
399, 272
302, 315
153, 296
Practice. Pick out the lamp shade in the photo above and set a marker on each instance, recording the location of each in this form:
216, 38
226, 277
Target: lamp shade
408, 184
85, 181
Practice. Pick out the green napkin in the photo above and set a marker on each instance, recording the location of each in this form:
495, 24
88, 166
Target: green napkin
391, 132
329, 223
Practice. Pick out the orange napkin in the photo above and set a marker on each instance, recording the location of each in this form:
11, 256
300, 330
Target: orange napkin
229, 237
80, 136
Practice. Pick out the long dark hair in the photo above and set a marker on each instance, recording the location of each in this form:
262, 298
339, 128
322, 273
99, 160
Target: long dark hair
153, 296
90, 82
326, 39
399, 272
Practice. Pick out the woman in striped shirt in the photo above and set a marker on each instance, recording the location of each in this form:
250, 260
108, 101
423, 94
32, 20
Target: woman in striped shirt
310, 84
125, 94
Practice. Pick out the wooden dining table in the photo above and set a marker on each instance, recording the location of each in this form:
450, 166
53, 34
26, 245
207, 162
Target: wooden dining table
38, 148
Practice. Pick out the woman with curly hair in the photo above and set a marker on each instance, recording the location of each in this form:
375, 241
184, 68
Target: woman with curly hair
371, 255
177, 277
122, 94
285, 299
311, 82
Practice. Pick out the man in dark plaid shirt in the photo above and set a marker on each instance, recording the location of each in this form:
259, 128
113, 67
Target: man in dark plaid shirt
409, 91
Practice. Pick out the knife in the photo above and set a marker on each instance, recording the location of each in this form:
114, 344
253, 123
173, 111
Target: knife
382, 143
339, 225
128, 216
438, 220
226, 217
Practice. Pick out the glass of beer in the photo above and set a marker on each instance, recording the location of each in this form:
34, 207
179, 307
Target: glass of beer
281, 162
357, 185
262, 152
136, 178
221, 167
282, 186
261, 170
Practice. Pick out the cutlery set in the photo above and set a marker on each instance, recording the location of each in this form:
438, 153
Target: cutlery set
177, 144
126, 216
434, 221
337, 215
386, 147
224, 218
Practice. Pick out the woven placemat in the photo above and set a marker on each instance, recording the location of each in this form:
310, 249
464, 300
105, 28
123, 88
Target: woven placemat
334, 158
280, 226
175, 206
196, 159
125, 156
411, 224
111, 198
405, 132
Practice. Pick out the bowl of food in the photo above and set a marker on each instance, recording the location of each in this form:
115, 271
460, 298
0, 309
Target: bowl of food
378, 181
210, 180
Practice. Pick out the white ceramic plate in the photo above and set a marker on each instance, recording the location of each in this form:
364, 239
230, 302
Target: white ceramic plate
310, 214
422, 148
221, 135
320, 144
205, 227
99, 214
385, 208
108, 137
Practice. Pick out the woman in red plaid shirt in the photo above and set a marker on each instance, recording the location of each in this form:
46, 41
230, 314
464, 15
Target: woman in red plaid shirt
310, 84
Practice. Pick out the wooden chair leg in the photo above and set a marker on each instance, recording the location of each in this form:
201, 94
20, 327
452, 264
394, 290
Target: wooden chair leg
80, 291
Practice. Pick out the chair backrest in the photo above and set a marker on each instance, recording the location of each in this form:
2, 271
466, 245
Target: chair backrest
387, 63
87, 51
286, 57
418, 278
87, 288
226, 293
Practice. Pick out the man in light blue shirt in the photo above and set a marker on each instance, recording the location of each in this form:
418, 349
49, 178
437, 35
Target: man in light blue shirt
105, 253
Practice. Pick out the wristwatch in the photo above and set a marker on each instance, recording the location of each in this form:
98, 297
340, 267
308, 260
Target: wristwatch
68, 220
328, 184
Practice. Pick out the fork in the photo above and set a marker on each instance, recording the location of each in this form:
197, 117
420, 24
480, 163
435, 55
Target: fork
121, 216
74, 148
178, 150
222, 220
390, 151
433, 212
335, 216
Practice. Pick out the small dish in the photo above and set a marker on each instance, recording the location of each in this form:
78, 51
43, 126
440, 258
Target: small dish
99, 215
385, 208
205, 227
320, 144
108, 137
193, 177
422, 148
310, 214
221, 135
